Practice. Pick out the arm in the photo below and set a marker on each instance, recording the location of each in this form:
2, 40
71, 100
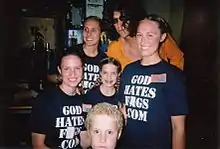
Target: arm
123, 110
85, 139
177, 107
178, 135
39, 124
38, 141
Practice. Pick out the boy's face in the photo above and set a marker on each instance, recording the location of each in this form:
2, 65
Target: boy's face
104, 132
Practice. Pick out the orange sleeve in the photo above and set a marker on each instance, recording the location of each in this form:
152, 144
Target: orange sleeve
170, 51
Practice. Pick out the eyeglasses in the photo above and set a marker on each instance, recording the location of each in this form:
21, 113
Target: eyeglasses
115, 20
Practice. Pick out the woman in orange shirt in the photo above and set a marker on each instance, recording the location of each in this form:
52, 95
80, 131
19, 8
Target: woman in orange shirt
125, 19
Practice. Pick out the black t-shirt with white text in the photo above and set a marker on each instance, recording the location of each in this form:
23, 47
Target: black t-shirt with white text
91, 67
152, 95
59, 117
94, 96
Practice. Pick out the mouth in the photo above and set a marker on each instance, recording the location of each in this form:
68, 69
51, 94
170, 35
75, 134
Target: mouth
89, 39
102, 147
72, 79
122, 31
109, 82
145, 47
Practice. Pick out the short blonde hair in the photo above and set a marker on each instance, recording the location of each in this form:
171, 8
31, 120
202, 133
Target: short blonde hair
108, 109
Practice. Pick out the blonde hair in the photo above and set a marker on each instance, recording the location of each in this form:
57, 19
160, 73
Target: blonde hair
108, 109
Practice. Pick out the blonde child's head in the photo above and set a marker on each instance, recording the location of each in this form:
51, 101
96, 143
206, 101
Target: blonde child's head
104, 123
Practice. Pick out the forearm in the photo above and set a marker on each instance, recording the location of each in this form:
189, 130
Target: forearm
38, 141
178, 139
41, 147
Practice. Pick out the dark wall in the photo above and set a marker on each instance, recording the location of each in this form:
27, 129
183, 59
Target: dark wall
199, 43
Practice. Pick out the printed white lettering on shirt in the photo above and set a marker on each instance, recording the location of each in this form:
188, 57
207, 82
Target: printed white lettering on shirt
137, 97
142, 91
91, 68
91, 74
141, 79
69, 126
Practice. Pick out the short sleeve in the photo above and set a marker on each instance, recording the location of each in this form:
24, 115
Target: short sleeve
176, 95
39, 117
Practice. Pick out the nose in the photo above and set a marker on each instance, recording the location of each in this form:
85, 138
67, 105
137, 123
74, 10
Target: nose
109, 76
143, 40
72, 72
88, 33
119, 25
102, 137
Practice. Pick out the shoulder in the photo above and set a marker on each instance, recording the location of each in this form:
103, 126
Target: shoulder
92, 95
46, 96
173, 73
92, 91
114, 43
79, 46
131, 66
170, 68
102, 54
114, 46
47, 93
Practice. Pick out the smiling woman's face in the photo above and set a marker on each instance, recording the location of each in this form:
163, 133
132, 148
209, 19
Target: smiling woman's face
91, 32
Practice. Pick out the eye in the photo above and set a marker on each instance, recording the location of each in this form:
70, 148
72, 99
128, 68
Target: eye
115, 20
85, 29
109, 132
138, 35
96, 131
93, 30
114, 73
78, 68
66, 68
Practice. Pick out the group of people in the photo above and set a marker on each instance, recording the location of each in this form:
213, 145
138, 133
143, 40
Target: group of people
134, 94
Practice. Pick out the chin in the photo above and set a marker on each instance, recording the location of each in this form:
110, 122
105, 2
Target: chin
146, 53
74, 84
109, 85
91, 43
100, 147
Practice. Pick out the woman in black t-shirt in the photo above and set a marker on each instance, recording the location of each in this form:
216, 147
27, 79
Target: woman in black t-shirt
57, 119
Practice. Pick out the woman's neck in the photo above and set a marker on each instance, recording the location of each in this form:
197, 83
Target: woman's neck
107, 91
129, 40
90, 51
151, 60
131, 48
68, 90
